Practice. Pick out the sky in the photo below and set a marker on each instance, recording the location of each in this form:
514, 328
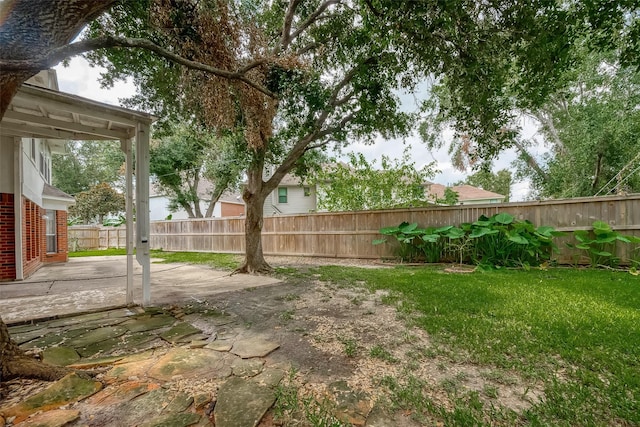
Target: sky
81, 79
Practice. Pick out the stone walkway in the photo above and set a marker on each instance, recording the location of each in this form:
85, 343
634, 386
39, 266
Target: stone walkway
156, 368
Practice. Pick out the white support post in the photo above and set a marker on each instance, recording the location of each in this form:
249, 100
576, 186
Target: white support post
125, 145
17, 206
142, 210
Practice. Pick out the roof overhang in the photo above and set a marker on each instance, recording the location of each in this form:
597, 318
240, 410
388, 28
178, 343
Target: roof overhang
37, 112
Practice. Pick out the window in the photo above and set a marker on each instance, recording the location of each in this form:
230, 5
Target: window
282, 195
33, 149
307, 191
50, 231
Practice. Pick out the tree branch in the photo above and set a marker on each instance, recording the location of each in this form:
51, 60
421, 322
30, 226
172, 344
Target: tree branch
57, 55
285, 38
533, 164
312, 19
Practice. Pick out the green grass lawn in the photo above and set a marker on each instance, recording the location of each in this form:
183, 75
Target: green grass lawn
576, 331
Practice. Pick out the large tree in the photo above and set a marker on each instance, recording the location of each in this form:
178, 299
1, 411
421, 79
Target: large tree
192, 166
453, 40
361, 185
86, 164
591, 129
326, 80
97, 202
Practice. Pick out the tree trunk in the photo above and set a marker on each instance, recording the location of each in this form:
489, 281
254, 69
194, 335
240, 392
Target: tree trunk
254, 195
14, 363
254, 261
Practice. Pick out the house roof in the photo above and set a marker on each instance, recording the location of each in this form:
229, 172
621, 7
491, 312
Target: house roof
37, 112
465, 192
52, 193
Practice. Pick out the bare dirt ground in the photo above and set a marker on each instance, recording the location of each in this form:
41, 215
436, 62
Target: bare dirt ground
330, 334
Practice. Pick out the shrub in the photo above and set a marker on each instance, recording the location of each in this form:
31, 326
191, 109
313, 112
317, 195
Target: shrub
500, 240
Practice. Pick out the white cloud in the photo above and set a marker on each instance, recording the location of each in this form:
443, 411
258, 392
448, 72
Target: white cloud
79, 78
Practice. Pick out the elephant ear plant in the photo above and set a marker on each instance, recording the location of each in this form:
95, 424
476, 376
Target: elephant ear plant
599, 244
500, 240
417, 244
504, 241
406, 235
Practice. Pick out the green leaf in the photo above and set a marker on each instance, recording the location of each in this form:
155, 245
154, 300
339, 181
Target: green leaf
516, 238
379, 241
503, 218
455, 233
601, 226
406, 228
602, 253
388, 231
442, 230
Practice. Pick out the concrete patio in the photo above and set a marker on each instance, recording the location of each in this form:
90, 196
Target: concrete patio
94, 283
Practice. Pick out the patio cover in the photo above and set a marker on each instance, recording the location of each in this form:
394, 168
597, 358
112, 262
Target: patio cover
37, 112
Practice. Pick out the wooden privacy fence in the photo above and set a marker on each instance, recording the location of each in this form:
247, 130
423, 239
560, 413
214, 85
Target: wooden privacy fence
349, 234
96, 237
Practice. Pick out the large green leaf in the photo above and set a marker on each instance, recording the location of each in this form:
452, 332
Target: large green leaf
442, 230
431, 238
503, 218
601, 226
479, 232
388, 231
455, 233
407, 228
521, 240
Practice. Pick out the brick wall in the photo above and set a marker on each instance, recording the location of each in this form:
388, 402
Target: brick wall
33, 234
231, 209
7, 238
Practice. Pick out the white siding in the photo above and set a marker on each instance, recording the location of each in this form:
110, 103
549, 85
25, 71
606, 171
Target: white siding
159, 209
297, 202
6, 164
33, 182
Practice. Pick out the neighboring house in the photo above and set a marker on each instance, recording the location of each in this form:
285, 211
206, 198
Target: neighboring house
33, 214
467, 194
293, 196
229, 204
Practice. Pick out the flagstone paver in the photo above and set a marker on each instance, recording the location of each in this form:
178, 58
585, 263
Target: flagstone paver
69, 389
242, 403
55, 418
253, 346
173, 420
352, 406
97, 336
143, 388
60, 356
201, 363
122, 393
148, 323
220, 345
247, 367
179, 332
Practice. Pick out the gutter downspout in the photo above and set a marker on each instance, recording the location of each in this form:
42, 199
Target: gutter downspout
17, 205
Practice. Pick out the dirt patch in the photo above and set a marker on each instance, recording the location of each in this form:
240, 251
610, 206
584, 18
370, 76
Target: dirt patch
328, 333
